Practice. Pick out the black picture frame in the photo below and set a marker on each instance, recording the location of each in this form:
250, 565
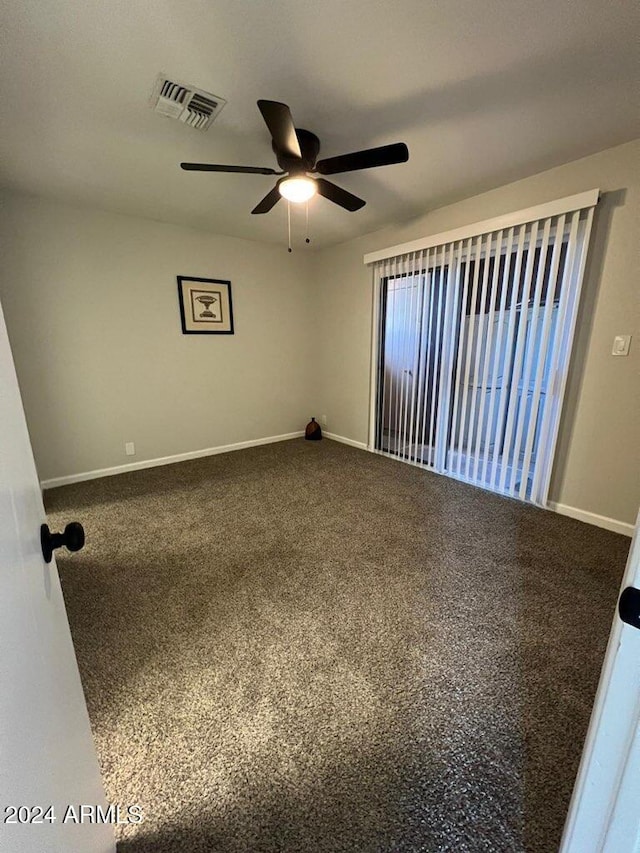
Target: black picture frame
212, 319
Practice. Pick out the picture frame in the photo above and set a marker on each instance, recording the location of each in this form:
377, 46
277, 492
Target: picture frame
206, 307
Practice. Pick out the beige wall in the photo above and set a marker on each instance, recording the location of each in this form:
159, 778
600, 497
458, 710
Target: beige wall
597, 463
91, 305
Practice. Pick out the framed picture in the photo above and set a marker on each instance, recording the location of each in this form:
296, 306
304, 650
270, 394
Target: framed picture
205, 306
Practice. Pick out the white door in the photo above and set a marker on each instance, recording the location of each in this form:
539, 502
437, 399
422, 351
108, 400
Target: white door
47, 757
604, 816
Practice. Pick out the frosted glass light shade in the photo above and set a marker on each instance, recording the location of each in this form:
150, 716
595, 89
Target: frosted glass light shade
297, 189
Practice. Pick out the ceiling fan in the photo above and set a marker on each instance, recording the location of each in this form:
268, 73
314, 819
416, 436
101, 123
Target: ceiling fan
297, 152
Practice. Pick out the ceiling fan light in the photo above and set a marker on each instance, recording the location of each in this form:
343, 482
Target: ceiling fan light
297, 189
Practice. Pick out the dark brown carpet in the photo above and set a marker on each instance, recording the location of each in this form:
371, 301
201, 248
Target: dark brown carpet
306, 647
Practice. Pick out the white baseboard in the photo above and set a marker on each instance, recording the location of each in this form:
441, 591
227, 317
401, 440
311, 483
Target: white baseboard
361, 445
165, 460
593, 518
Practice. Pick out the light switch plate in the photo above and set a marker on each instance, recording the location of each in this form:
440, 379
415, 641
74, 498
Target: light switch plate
621, 345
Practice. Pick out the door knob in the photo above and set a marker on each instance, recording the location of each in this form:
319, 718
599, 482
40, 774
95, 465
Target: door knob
629, 606
72, 539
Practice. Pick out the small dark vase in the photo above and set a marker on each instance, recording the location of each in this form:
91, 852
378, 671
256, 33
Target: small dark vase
313, 431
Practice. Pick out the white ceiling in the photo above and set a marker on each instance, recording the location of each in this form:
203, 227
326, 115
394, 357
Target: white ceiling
483, 93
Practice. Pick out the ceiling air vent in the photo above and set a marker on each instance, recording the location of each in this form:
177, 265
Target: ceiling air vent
186, 103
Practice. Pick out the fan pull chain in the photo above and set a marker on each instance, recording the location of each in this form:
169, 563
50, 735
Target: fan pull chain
289, 224
307, 238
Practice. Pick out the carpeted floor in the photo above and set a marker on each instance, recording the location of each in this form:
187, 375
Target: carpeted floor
306, 647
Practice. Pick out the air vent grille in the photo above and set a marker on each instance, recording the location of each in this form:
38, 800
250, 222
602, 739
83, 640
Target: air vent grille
186, 103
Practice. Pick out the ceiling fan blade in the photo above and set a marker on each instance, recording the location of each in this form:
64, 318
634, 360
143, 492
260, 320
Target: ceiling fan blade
385, 155
269, 201
213, 167
278, 119
339, 196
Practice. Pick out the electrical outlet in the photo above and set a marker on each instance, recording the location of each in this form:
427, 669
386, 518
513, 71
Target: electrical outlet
324, 420
130, 448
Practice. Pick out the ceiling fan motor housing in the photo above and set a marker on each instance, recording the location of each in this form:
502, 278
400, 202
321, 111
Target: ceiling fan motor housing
309, 148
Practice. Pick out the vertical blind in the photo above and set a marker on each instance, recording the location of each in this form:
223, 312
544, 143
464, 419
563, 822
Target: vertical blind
472, 339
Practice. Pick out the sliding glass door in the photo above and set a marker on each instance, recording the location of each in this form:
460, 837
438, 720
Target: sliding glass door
473, 344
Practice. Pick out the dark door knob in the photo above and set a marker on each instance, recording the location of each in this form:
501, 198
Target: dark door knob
629, 606
72, 539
